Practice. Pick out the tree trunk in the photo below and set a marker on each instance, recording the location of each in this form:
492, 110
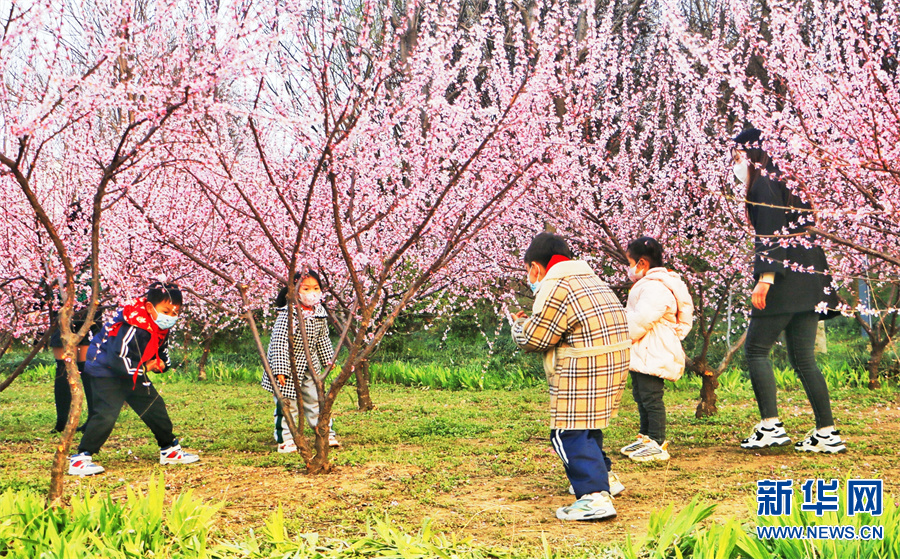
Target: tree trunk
29, 358
874, 363
707, 405
319, 463
6, 341
363, 379
204, 358
59, 468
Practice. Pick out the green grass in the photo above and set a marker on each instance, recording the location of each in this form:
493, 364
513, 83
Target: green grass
459, 435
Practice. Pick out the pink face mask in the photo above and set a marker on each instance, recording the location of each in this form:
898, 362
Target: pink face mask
310, 298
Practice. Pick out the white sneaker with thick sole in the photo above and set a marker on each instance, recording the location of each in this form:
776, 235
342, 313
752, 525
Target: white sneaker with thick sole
83, 465
816, 442
764, 437
333, 442
638, 444
287, 447
615, 485
651, 451
175, 455
593, 506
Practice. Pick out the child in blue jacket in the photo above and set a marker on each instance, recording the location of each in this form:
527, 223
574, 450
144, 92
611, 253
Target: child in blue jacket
118, 360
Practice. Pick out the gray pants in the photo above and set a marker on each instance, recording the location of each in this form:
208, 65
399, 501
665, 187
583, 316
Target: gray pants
310, 400
800, 337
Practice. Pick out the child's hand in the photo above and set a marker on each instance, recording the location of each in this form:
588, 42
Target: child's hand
519, 315
280, 379
151, 366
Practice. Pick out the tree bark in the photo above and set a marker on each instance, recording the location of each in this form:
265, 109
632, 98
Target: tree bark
706, 407
6, 343
28, 358
874, 362
204, 358
59, 469
363, 380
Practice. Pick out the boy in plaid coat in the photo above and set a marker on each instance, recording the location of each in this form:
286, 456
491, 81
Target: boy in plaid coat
580, 326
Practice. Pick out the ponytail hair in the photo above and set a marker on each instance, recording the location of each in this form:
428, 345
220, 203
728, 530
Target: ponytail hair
647, 248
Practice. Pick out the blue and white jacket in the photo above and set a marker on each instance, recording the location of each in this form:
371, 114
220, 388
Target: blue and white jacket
119, 356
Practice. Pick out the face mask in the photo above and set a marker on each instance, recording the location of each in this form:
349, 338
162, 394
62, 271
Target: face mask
310, 298
742, 171
633, 274
165, 321
535, 287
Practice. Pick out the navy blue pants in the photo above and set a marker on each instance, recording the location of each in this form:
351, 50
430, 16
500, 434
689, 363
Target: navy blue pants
581, 451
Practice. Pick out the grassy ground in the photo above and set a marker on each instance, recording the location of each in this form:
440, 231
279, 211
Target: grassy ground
476, 462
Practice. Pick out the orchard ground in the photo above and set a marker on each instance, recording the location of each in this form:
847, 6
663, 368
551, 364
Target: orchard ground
476, 462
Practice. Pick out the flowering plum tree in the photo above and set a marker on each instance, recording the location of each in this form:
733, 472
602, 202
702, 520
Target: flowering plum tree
88, 90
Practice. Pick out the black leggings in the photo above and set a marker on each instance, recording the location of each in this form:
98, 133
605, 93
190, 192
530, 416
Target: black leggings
62, 394
800, 334
110, 394
648, 395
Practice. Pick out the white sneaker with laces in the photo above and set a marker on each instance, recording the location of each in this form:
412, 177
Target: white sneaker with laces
333, 441
817, 442
638, 444
651, 451
287, 447
175, 455
615, 485
764, 437
82, 465
593, 506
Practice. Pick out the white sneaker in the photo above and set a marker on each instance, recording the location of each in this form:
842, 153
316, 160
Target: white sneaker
174, 455
593, 506
333, 441
636, 445
615, 485
764, 437
651, 451
816, 442
287, 447
82, 465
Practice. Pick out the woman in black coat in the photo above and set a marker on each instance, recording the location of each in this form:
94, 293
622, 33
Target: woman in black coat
784, 299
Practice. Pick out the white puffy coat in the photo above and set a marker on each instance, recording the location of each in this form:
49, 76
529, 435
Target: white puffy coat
660, 314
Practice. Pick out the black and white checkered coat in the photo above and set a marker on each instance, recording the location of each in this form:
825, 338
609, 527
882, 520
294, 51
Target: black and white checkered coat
319, 345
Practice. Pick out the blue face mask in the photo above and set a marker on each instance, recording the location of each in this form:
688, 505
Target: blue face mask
535, 287
165, 321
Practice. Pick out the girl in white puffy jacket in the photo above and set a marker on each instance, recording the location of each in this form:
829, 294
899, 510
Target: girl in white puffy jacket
660, 314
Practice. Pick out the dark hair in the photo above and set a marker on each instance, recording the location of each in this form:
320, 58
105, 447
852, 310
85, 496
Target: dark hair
544, 247
750, 142
281, 298
648, 248
159, 292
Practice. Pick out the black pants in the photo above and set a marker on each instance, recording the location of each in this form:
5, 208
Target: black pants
110, 394
648, 395
800, 334
62, 394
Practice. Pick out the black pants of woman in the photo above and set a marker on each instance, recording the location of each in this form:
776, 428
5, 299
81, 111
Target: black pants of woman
62, 394
800, 336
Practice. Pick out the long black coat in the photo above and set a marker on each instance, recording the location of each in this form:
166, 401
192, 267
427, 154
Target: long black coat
793, 291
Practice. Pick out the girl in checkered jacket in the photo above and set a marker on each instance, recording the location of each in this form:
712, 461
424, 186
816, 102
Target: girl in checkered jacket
309, 295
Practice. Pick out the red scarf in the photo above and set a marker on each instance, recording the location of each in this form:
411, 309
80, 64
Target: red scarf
556, 259
136, 314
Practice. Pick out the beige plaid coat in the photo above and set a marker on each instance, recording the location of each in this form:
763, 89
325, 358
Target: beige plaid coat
576, 309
